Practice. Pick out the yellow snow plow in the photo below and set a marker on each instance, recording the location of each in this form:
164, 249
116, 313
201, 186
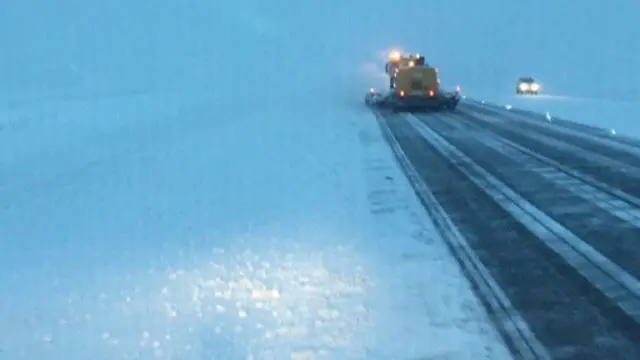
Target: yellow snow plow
414, 85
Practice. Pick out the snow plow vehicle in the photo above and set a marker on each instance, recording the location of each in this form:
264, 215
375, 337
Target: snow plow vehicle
413, 86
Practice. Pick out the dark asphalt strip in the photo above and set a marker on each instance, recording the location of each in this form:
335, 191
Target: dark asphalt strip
509, 323
586, 144
613, 237
564, 123
560, 306
615, 177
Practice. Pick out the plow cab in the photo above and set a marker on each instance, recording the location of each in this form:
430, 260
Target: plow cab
416, 81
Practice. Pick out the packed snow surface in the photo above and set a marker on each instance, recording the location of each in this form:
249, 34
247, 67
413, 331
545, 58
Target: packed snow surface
177, 227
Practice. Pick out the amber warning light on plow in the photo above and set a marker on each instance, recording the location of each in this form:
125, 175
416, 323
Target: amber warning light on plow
395, 55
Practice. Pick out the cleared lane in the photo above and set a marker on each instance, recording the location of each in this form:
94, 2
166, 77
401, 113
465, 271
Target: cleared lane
547, 292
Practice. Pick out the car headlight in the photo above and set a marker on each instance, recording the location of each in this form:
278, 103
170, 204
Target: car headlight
524, 87
535, 87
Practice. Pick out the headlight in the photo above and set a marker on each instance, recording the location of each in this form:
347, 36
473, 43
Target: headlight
535, 87
524, 87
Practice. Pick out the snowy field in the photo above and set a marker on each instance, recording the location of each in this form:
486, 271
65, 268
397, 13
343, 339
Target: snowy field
271, 234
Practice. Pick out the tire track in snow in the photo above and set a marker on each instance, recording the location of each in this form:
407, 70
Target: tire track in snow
616, 173
435, 312
594, 211
624, 151
566, 318
508, 321
558, 122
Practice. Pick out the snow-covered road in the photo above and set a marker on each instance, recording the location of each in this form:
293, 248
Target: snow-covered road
616, 117
549, 210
